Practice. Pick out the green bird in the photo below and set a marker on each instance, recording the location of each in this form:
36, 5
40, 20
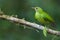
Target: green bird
43, 17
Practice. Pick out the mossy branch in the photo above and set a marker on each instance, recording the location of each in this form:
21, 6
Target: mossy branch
24, 22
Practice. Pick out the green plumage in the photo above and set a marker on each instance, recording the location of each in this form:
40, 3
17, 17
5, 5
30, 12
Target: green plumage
43, 17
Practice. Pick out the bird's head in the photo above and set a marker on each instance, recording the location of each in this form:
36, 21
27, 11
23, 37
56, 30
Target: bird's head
38, 9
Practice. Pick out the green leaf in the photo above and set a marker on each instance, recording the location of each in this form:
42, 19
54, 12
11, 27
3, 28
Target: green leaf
45, 32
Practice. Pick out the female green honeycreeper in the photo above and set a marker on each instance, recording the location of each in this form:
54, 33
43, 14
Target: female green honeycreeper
43, 17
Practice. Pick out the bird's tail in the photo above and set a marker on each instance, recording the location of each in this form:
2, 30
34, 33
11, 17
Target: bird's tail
53, 24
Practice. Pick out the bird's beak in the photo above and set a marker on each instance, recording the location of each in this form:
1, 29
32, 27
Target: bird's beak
33, 7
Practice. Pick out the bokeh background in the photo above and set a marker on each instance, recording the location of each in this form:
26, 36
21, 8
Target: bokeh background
23, 8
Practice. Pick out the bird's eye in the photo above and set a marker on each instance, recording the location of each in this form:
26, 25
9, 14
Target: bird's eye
36, 8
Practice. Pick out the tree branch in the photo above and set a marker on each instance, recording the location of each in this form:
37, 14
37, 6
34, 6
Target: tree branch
24, 22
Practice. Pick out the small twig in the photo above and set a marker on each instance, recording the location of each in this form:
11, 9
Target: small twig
24, 22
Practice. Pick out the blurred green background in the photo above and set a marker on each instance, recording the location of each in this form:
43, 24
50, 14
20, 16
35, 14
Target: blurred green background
23, 8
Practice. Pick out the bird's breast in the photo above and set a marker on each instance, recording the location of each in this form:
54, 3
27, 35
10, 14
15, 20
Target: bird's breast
40, 18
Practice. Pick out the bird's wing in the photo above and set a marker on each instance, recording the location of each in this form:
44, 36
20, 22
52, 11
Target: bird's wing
49, 19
